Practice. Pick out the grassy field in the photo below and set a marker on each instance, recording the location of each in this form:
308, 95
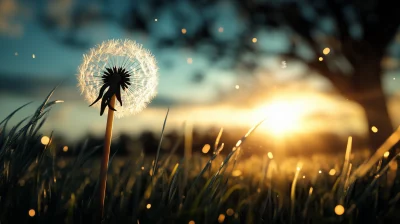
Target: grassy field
37, 186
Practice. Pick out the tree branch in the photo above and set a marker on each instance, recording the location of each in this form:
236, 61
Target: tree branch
338, 79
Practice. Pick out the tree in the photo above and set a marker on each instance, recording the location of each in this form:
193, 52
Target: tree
357, 35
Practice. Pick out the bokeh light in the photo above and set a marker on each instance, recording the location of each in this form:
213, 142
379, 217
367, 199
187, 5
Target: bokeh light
230, 212
206, 148
236, 173
45, 140
326, 51
65, 149
32, 212
386, 154
339, 210
221, 218
332, 172
374, 129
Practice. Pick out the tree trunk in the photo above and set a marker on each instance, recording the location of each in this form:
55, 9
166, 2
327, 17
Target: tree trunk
368, 92
376, 114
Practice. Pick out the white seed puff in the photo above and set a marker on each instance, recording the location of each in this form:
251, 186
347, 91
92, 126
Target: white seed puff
126, 54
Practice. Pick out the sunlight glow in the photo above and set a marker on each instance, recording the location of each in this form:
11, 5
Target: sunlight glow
320, 58
332, 172
148, 206
191, 222
374, 129
270, 155
282, 116
254, 40
183, 31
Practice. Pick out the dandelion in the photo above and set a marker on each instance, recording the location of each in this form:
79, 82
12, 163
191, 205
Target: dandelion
119, 70
116, 65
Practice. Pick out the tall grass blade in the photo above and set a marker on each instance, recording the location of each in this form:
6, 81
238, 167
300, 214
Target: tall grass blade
159, 144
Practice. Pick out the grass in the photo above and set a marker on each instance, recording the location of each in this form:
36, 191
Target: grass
216, 189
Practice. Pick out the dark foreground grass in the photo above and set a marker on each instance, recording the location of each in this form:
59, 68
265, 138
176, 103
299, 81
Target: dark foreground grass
33, 179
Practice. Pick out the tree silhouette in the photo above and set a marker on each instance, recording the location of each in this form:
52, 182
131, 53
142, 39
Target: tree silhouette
358, 35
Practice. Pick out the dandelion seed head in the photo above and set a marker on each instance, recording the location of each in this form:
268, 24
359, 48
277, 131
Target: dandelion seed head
130, 56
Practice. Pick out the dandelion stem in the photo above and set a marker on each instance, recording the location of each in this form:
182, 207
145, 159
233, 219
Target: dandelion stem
106, 155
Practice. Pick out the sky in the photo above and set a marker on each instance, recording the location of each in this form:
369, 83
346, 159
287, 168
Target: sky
41, 46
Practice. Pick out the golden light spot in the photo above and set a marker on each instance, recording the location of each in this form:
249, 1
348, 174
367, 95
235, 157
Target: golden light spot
191, 222
332, 172
236, 173
237, 87
206, 148
65, 148
386, 154
270, 155
319, 171
189, 60
304, 177
142, 167
183, 31
298, 168
148, 206
238, 143
221, 218
374, 129
326, 51
254, 40
230, 212
320, 58
45, 140
33, 56
32, 212
221, 29
339, 210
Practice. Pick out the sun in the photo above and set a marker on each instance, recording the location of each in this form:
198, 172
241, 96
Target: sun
283, 116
